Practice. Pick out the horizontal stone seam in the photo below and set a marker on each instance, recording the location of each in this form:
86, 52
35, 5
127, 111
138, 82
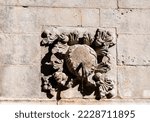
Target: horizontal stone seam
19, 65
133, 66
71, 99
133, 7
103, 100
115, 8
135, 33
127, 8
146, 34
43, 26
72, 26
25, 99
27, 6
21, 33
125, 100
29, 101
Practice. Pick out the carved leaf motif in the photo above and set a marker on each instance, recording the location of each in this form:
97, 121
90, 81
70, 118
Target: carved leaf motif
75, 60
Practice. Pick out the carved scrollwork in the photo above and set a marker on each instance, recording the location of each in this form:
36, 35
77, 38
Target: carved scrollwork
74, 60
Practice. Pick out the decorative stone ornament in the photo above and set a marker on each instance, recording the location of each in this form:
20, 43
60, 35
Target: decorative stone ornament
77, 60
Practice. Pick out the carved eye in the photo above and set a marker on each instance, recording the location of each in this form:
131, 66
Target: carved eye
44, 35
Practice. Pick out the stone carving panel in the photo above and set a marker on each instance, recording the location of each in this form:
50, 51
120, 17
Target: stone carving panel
76, 58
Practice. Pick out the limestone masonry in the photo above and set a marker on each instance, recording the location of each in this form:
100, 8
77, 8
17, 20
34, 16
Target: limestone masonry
126, 22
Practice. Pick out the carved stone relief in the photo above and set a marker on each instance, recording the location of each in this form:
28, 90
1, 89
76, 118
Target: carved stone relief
76, 58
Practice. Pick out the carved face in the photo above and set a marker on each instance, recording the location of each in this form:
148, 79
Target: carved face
49, 35
78, 54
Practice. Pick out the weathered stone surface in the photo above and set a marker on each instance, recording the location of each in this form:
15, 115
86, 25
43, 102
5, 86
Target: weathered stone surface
90, 17
134, 82
2, 16
20, 82
59, 16
133, 49
71, 93
20, 20
132, 21
134, 3
8, 2
62, 3
19, 49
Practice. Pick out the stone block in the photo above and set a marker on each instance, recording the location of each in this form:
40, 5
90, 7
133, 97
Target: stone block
20, 82
20, 20
59, 16
19, 49
129, 21
90, 17
133, 49
134, 3
134, 82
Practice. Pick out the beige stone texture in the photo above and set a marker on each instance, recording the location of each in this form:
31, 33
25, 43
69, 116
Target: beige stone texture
19, 49
59, 16
134, 3
19, 20
133, 49
129, 21
134, 81
20, 82
90, 17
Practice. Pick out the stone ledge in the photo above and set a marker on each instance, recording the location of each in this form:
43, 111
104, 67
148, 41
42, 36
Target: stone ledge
103, 102
26, 101
81, 102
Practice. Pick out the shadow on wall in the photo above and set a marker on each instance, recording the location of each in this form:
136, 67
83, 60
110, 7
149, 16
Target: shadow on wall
74, 61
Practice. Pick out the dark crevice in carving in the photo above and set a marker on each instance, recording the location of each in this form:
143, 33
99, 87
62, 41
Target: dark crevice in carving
25, 6
77, 61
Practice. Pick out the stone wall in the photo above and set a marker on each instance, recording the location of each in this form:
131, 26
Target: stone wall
21, 25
